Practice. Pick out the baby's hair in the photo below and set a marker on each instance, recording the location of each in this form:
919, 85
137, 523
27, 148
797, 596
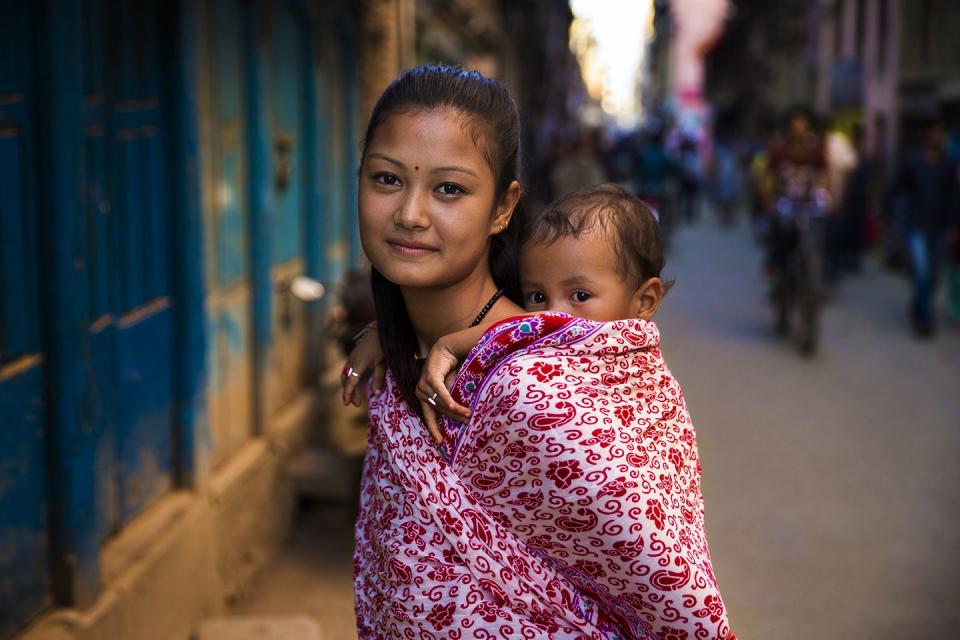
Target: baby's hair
625, 220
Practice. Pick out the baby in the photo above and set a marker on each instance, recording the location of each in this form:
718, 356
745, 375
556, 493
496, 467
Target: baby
595, 254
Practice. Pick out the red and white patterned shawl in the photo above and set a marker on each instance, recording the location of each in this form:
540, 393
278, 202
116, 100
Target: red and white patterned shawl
568, 507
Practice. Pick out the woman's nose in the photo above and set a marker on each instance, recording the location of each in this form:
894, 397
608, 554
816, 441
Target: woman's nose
412, 212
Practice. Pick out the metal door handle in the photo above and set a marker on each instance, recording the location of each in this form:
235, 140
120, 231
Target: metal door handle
306, 289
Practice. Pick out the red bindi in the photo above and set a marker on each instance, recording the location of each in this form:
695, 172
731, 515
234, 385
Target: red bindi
417, 168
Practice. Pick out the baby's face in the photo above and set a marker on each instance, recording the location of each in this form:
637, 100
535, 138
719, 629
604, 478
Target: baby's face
578, 277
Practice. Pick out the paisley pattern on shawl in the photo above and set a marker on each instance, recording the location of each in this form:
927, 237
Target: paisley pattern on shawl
568, 507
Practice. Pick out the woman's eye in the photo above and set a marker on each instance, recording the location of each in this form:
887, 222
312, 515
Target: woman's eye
536, 298
581, 296
451, 189
387, 179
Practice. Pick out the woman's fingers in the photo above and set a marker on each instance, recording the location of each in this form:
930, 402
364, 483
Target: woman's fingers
449, 407
430, 419
463, 412
349, 379
440, 401
379, 376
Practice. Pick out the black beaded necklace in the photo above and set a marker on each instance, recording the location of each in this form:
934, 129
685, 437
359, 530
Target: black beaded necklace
480, 316
486, 308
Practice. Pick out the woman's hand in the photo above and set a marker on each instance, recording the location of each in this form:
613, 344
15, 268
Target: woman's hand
439, 371
365, 358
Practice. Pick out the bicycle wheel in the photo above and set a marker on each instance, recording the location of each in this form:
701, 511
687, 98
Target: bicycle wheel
808, 301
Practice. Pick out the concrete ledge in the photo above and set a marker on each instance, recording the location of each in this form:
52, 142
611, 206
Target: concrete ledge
190, 554
175, 569
259, 628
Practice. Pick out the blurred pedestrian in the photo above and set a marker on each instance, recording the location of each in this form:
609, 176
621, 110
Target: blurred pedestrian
926, 186
684, 149
579, 167
953, 255
854, 202
726, 179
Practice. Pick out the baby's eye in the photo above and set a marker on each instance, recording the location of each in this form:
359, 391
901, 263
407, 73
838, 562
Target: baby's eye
451, 189
536, 298
387, 179
581, 296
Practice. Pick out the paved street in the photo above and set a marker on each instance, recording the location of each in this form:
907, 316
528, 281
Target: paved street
832, 485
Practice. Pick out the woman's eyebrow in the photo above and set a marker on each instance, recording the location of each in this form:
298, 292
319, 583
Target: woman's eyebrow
455, 168
387, 158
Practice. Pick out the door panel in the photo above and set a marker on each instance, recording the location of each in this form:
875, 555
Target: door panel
289, 69
230, 400
128, 257
24, 572
144, 384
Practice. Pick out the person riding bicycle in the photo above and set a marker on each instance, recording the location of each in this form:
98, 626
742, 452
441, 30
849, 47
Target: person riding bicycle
796, 177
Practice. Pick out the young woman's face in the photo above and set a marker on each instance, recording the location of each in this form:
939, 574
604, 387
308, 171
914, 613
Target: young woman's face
426, 197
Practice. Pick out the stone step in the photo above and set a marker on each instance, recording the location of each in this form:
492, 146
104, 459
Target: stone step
294, 627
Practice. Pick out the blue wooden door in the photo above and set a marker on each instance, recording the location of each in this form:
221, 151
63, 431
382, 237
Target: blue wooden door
286, 82
143, 304
230, 398
24, 581
128, 256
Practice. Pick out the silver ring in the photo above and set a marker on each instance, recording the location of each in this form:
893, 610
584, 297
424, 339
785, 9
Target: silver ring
351, 373
432, 399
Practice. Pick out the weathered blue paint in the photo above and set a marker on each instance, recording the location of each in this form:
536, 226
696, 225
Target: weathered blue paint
192, 435
287, 108
24, 561
225, 32
99, 224
143, 313
72, 470
24, 585
261, 229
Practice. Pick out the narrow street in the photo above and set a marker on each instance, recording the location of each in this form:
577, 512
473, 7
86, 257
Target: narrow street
832, 485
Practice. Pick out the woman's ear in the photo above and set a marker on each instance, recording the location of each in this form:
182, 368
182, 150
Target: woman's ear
505, 208
646, 300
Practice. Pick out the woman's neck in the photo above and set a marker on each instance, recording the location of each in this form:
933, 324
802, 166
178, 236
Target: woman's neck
438, 312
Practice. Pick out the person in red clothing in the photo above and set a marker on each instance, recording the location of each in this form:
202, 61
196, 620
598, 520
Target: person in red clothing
568, 505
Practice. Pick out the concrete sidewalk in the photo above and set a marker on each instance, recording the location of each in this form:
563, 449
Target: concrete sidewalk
312, 578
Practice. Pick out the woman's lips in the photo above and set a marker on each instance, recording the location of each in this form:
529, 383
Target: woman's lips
411, 249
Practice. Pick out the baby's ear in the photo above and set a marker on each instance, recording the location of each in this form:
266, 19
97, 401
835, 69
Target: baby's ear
646, 300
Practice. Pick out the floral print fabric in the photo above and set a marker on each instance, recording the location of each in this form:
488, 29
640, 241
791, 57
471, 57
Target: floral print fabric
568, 507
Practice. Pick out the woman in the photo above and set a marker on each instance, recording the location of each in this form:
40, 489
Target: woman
565, 508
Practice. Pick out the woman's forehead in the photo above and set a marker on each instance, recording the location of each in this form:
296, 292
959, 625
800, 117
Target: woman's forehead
430, 137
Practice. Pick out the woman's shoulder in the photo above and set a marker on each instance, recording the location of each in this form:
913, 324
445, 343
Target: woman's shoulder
546, 334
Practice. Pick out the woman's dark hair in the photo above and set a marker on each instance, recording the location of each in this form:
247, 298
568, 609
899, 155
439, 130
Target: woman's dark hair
495, 124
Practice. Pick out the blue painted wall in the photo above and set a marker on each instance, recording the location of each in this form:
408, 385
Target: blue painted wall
104, 324
24, 569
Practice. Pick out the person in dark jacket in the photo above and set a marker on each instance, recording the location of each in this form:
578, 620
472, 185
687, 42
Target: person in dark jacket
927, 187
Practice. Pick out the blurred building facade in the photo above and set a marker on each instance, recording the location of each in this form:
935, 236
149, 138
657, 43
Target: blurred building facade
879, 64
887, 64
763, 62
526, 45
169, 169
